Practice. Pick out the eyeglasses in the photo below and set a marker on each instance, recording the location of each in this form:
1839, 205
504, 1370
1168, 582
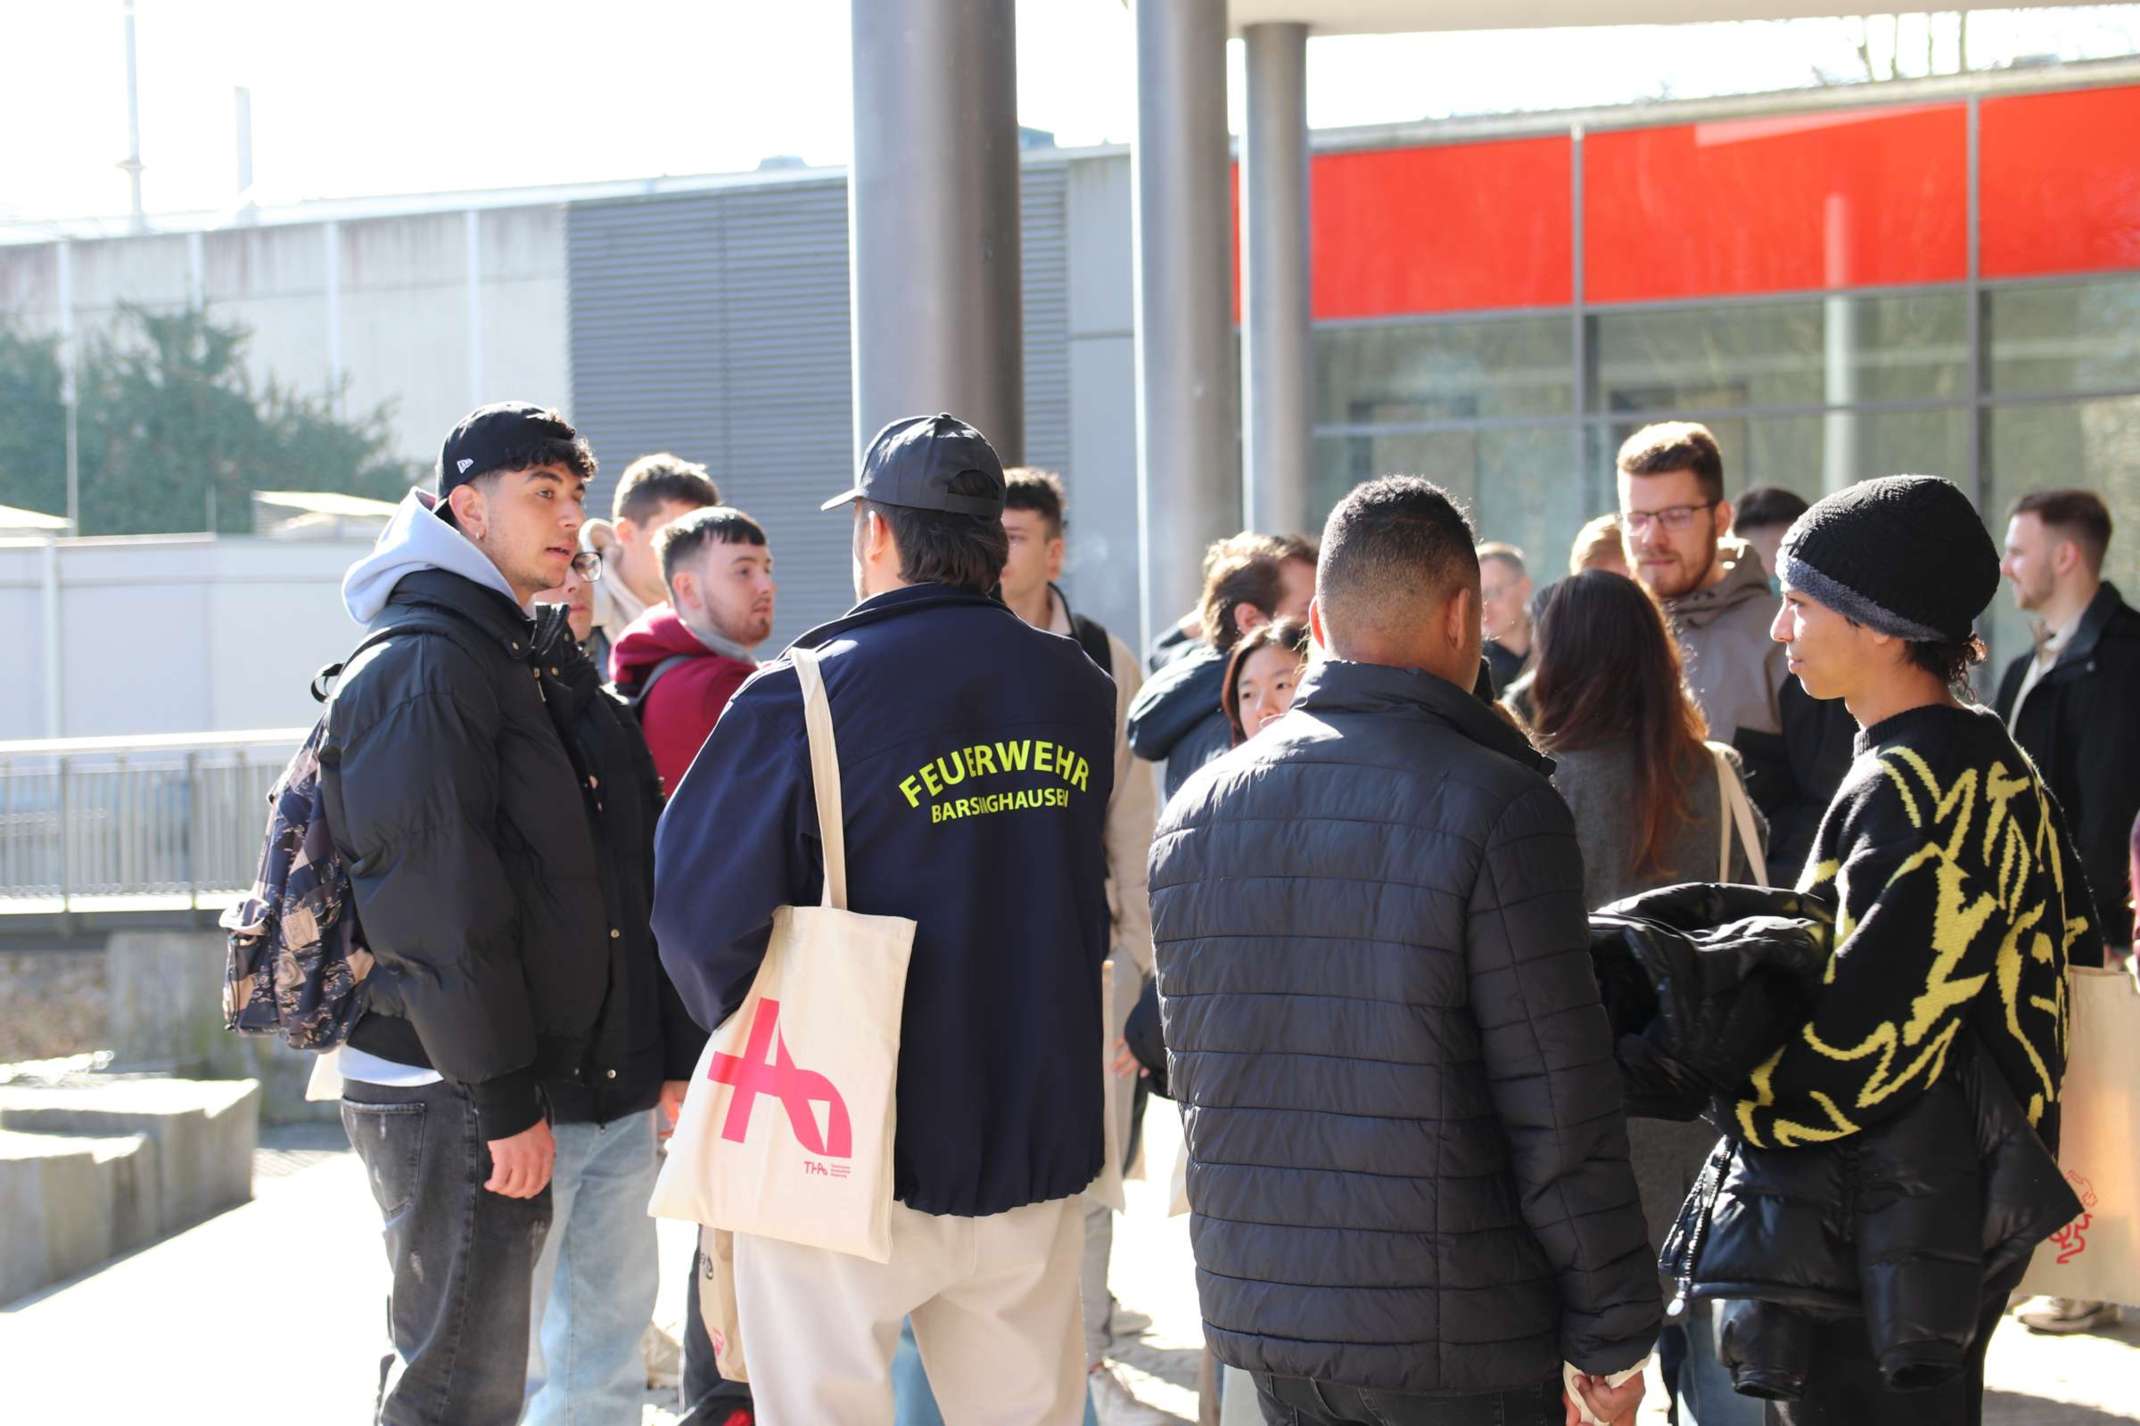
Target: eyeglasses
587, 565
1672, 517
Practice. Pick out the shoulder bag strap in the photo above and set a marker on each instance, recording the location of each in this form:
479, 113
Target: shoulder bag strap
1734, 810
824, 776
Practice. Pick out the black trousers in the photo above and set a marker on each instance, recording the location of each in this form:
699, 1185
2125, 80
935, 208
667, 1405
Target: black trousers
1291, 1401
462, 1258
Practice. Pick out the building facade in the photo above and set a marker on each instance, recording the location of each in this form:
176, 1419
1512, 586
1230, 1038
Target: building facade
1932, 276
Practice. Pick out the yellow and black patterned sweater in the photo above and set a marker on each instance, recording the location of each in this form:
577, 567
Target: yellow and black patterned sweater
1958, 896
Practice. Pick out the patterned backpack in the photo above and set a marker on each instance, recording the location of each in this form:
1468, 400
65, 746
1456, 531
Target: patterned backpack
297, 961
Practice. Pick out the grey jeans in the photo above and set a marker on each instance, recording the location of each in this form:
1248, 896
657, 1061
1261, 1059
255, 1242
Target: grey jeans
462, 1258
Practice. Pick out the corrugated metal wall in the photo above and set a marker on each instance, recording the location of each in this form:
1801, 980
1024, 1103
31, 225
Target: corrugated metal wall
716, 325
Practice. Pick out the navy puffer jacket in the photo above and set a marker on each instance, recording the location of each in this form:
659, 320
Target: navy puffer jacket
1407, 1159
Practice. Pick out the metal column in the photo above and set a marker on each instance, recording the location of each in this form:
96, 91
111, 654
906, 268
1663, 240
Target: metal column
1188, 487
1276, 370
933, 217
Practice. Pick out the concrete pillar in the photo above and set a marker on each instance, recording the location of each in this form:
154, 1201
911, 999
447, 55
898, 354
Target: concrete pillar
1188, 487
1277, 370
933, 217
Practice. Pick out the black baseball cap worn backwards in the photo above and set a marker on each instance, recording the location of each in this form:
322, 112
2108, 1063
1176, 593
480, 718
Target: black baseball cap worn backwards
1905, 555
489, 435
912, 462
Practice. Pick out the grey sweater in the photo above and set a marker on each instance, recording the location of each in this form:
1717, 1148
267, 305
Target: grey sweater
1598, 784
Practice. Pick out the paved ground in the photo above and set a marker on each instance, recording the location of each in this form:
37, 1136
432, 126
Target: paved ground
270, 1314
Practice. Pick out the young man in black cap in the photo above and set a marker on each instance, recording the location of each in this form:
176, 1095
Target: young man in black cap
999, 860
478, 890
1959, 898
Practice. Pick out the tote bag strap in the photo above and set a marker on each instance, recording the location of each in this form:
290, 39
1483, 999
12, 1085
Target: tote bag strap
1733, 810
824, 776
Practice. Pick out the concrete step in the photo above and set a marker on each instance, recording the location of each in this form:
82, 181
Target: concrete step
103, 1166
70, 1204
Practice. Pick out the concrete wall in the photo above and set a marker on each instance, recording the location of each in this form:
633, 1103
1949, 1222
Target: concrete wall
171, 634
383, 302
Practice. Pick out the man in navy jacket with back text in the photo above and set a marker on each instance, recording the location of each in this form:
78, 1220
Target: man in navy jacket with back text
976, 757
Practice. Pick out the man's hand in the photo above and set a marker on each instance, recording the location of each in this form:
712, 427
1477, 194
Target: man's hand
1615, 1406
520, 1164
672, 1106
1125, 1061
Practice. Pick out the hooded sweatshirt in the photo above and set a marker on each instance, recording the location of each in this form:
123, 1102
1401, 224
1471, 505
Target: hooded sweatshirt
682, 707
1176, 717
1736, 671
416, 538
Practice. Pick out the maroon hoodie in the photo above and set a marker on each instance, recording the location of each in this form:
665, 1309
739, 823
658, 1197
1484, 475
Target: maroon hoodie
680, 710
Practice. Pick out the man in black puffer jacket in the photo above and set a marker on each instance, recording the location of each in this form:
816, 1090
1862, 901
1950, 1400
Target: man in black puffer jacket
477, 889
1408, 1163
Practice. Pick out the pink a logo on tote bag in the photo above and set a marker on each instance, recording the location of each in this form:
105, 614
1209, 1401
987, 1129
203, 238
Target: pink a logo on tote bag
754, 1073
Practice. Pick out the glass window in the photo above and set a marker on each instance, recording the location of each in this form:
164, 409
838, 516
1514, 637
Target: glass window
2078, 336
1824, 351
1522, 484
2092, 444
1777, 203
1439, 371
1814, 454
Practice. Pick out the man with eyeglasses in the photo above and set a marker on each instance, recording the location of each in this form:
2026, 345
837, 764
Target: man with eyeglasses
1677, 527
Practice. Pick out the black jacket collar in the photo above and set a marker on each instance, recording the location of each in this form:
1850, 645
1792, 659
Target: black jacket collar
893, 603
2100, 611
1341, 686
487, 609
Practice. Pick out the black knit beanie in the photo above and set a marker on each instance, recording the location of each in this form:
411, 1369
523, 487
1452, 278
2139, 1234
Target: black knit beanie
1905, 555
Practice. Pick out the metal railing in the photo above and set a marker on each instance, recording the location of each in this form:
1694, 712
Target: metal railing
169, 822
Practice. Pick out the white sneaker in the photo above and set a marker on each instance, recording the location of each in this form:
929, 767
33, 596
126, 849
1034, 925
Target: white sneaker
2061, 1316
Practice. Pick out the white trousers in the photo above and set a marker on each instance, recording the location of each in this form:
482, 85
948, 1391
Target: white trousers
995, 1308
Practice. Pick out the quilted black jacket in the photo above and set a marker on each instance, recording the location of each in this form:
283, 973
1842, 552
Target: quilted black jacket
1408, 1164
473, 864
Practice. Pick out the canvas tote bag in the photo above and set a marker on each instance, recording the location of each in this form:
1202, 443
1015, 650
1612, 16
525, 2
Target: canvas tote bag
2096, 1257
786, 1129
1735, 811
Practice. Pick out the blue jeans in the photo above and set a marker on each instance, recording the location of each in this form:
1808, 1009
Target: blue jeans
461, 1256
1706, 1397
913, 1404
595, 1282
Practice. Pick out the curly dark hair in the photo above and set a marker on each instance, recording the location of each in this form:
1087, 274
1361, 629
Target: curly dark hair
1950, 659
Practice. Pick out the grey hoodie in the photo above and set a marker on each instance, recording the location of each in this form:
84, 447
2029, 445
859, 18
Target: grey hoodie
1733, 667
415, 539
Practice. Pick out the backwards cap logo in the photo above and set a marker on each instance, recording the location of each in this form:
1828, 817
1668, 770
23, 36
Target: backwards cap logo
754, 1072
462, 464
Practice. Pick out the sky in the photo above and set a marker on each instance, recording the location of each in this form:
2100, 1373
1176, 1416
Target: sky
396, 96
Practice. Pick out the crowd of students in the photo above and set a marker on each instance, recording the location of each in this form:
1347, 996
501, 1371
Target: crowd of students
1438, 1129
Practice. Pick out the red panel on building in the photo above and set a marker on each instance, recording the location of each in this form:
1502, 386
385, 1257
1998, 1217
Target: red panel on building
2060, 182
1451, 228
1779, 203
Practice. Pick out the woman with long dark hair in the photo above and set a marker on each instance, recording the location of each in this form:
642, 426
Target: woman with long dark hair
1610, 706
1654, 806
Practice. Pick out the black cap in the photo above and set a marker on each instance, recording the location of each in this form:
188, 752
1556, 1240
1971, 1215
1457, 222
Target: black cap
492, 436
913, 461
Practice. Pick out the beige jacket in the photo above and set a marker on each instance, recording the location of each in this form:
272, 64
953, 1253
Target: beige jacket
1132, 809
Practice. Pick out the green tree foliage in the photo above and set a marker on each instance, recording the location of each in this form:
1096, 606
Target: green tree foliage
168, 413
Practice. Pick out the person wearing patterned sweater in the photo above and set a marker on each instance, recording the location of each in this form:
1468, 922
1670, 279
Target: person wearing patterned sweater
1959, 897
